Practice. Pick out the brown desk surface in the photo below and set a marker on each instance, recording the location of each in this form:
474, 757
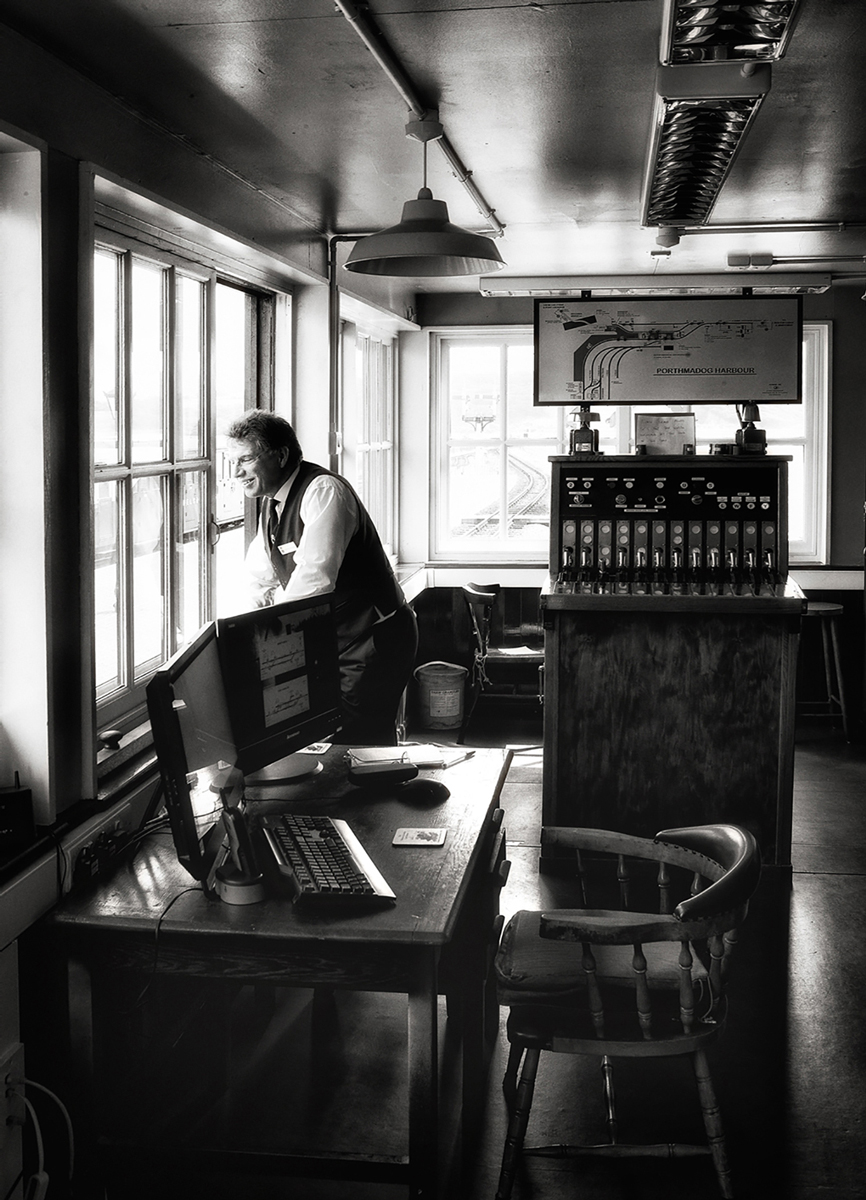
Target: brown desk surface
429, 882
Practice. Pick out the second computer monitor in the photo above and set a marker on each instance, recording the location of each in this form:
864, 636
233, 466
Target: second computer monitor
281, 677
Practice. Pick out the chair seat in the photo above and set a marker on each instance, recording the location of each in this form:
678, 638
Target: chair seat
515, 654
530, 968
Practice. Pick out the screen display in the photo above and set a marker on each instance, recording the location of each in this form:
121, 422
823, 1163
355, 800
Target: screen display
281, 678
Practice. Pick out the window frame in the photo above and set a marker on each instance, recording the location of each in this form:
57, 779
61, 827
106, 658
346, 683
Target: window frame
375, 468
817, 392
818, 382
124, 706
442, 442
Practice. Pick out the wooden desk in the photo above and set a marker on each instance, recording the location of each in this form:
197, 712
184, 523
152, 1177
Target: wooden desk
436, 939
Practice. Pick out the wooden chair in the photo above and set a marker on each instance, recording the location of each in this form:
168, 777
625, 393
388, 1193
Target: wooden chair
611, 979
498, 671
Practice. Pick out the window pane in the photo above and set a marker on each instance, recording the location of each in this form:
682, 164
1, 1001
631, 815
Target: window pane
106, 384
233, 382
148, 362
524, 420
783, 421
148, 573
614, 429
798, 518
190, 367
474, 385
233, 377
107, 587
493, 497
474, 477
233, 594
715, 423
529, 496
370, 419
191, 551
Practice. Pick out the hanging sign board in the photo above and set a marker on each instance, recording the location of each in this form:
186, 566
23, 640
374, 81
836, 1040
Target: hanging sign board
668, 350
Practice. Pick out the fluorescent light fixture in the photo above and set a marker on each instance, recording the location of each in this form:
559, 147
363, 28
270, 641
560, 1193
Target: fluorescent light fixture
656, 285
702, 114
725, 31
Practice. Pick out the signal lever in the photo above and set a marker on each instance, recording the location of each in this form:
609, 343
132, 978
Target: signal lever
659, 576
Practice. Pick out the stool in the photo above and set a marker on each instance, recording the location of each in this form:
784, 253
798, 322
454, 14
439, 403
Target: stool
834, 705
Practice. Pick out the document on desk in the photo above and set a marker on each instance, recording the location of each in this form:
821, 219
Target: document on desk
423, 756
420, 837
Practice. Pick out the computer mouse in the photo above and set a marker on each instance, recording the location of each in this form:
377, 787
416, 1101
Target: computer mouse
425, 793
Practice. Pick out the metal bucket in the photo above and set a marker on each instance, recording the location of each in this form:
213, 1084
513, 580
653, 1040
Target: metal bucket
441, 687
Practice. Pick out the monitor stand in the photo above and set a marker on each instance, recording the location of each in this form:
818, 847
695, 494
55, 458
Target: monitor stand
291, 769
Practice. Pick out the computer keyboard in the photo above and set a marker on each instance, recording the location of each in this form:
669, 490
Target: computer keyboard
323, 860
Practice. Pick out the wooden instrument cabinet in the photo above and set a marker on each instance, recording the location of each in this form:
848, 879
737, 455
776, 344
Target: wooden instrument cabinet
671, 636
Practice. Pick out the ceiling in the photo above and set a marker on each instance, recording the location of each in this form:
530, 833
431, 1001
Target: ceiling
549, 105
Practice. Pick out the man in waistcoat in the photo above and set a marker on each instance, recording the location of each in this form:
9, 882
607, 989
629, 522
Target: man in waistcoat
315, 536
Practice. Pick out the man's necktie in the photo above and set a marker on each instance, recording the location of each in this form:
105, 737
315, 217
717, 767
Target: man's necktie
272, 520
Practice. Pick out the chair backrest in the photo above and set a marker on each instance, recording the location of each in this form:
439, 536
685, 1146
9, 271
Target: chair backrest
702, 882
480, 599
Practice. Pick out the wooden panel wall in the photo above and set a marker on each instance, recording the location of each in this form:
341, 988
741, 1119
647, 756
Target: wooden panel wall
657, 720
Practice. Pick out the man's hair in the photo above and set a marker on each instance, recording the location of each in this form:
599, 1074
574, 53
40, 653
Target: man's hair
266, 431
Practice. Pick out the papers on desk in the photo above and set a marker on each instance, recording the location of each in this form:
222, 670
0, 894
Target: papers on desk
420, 837
419, 755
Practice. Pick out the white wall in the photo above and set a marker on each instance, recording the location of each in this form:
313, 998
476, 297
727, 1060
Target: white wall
23, 667
312, 373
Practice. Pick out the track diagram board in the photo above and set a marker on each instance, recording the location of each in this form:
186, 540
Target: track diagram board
668, 350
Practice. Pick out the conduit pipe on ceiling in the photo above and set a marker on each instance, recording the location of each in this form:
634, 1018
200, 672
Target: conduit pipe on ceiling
374, 40
773, 227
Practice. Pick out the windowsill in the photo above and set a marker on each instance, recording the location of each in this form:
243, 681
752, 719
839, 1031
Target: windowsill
827, 579
415, 577
131, 743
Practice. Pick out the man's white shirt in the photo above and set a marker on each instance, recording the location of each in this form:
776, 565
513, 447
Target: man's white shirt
330, 516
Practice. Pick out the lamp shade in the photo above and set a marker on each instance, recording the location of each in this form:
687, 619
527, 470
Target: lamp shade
424, 243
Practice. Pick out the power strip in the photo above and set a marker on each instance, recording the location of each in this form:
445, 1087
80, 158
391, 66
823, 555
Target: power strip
99, 857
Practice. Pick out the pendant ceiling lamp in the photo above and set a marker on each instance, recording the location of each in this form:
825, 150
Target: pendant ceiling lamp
425, 242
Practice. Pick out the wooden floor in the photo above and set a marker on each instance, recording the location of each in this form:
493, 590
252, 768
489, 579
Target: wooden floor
789, 1071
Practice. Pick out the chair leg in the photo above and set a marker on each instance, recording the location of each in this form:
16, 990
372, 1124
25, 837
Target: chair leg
518, 1121
474, 693
840, 682
509, 1082
609, 1099
713, 1122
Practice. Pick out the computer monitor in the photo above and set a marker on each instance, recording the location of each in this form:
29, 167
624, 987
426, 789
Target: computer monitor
282, 684
195, 748
247, 691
